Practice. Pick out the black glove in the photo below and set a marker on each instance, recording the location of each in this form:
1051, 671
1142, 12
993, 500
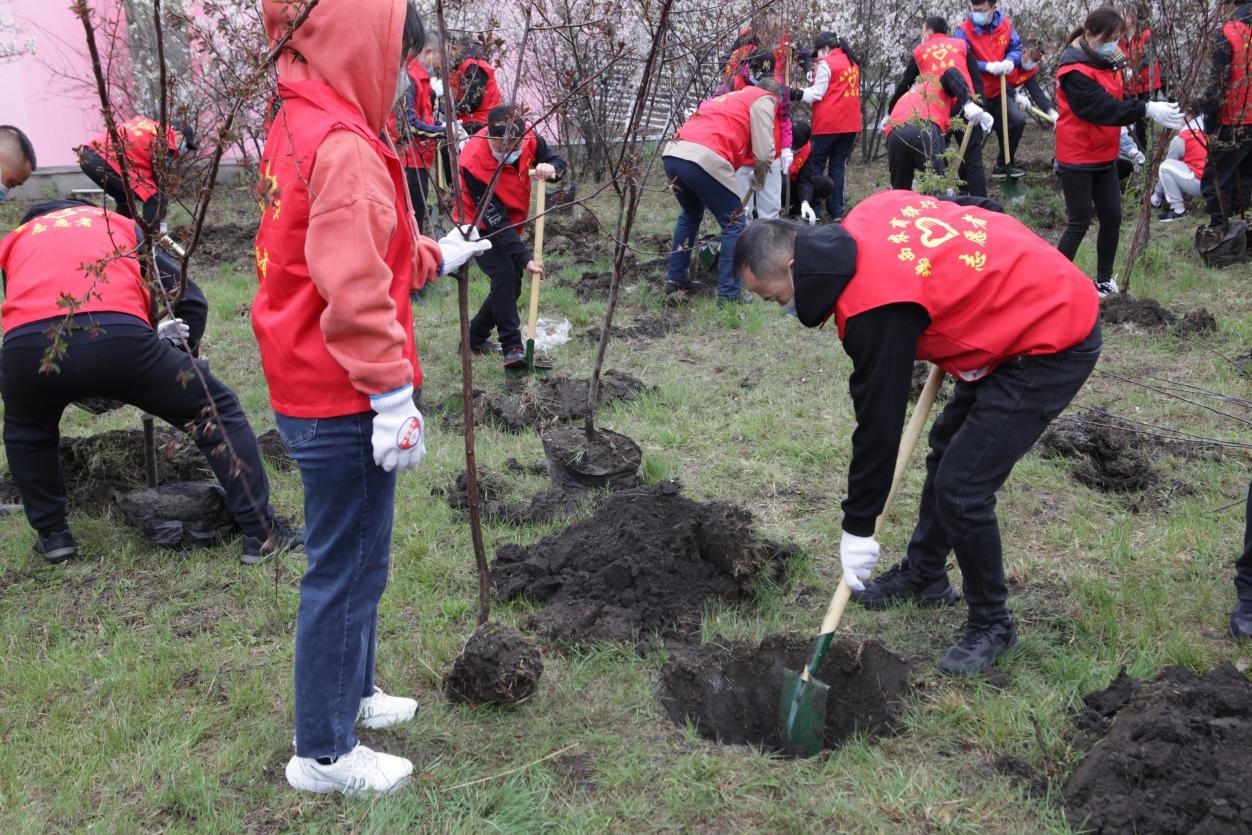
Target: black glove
796, 94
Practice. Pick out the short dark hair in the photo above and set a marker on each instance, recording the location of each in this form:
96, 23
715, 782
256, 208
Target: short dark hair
506, 120
937, 24
15, 136
801, 132
765, 246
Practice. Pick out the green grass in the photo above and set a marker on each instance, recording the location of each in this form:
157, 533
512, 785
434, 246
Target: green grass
150, 690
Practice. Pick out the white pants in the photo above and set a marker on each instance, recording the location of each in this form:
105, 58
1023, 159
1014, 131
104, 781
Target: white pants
765, 203
1177, 183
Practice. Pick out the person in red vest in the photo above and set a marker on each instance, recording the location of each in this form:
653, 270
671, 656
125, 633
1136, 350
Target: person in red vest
807, 186
509, 144
112, 349
417, 137
473, 86
835, 95
17, 159
998, 50
102, 163
956, 283
1227, 109
1143, 72
700, 164
940, 84
1092, 112
1024, 83
767, 202
1179, 175
338, 253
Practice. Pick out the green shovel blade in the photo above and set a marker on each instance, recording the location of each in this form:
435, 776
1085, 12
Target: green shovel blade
1014, 189
802, 713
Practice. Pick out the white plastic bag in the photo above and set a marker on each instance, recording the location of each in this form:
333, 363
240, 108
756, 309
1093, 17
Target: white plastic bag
549, 333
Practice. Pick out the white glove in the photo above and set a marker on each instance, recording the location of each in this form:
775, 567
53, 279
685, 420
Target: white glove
1053, 115
987, 122
462, 137
175, 330
1023, 100
1137, 157
457, 247
858, 555
787, 157
399, 437
436, 86
882, 126
1165, 114
999, 67
807, 213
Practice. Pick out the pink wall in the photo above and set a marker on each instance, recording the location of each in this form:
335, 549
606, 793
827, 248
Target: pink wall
47, 94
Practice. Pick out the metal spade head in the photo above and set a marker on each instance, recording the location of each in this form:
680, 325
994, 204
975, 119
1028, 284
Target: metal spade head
1014, 190
802, 712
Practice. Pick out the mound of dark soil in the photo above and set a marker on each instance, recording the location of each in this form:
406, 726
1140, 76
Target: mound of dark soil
643, 327
1121, 309
645, 563
273, 448
1196, 323
539, 403
220, 244
180, 515
604, 461
1105, 457
97, 466
1174, 755
541, 508
731, 695
498, 666
595, 285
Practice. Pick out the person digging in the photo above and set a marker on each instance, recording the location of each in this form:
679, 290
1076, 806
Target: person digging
955, 282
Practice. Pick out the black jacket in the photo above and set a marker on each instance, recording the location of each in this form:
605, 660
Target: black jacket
882, 344
1219, 78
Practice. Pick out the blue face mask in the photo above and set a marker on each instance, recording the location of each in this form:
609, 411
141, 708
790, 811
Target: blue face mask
1029, 65
509, 158
1106, 50
980, 18
182, 148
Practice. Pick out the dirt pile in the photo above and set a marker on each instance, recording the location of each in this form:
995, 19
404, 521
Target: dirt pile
539, 403
220, 244
498, 666
731, 693
274, 450
1121, 309
180, 515
1173, 755
645, 563
647, 327
97, 466
540, 509
595, 285
1196, 323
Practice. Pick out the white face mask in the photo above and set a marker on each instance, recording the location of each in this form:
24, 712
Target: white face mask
509, 158
1028, 65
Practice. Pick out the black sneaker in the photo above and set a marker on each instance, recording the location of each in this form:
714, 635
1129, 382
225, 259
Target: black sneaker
1169, 216
514, 357
56, 547
898, 585
282, 539
1015, 172
1106, 287
998, 171
978, 648
1241, 622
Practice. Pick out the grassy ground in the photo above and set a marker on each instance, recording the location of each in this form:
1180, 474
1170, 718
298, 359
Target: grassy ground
150, 690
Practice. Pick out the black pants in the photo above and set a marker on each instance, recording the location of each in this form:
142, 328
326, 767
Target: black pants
821, 187
1228, 173
504, 266
1017, 126
1243, 565
830, 159
419, 188
972, 172
99, 172
125, 362
1091, 191
987, 426
910, 147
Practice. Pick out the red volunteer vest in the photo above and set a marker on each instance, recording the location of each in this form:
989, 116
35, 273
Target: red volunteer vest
941, 53
1147, 79
513, 187
992, 46
925, 100
304, 379
1195, 151
45, 259
138, 136
415, 153
801, 157
994, 290
1019, 76
1079, 142
1237, 106
491, 95
839, 111
723, 125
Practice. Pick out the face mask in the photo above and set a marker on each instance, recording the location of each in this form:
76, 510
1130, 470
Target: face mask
980, 18
790, 307
1106, 50
1029, 65
754, 79
508, 158
182, 148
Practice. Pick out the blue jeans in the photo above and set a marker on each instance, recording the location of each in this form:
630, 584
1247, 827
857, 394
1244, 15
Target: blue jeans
985, 429
697, 191
348, 507
830, 158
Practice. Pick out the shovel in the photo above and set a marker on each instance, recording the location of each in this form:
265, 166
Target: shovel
540, 369
1012, 189
802, 708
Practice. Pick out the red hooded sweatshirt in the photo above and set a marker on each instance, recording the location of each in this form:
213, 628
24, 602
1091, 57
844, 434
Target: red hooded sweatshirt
338, 250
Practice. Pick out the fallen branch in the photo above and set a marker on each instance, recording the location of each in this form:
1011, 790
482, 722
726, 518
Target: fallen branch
500, 774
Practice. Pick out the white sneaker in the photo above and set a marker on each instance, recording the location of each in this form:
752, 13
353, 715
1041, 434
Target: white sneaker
1108, 287
363, 770
383, 711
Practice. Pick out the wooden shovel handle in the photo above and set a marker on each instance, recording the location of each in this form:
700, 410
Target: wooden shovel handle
541, 199
834, 613
1004, 117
